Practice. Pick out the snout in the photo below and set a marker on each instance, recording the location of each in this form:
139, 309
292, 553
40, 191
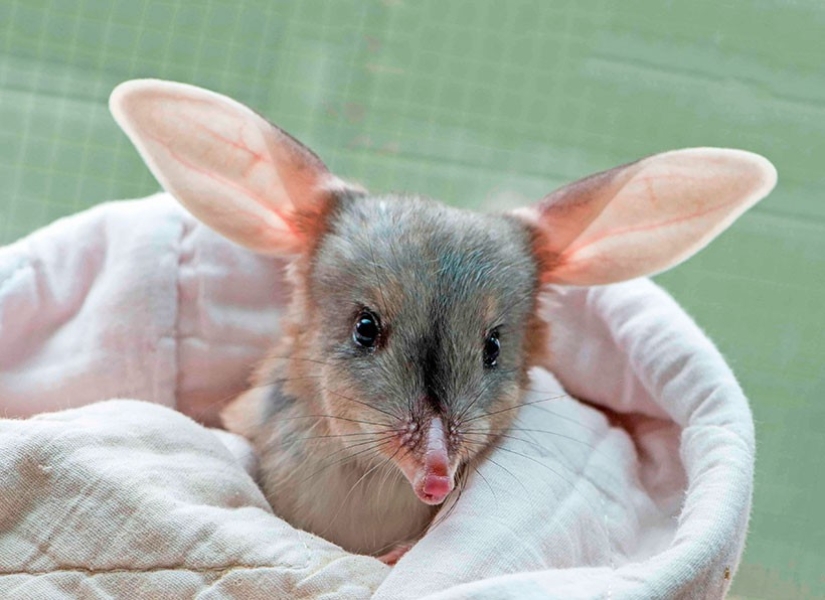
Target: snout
428, 467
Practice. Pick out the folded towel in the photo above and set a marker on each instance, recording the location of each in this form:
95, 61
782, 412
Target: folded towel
642, 490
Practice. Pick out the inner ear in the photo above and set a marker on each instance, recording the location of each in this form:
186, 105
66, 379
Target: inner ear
236, 172
644, 217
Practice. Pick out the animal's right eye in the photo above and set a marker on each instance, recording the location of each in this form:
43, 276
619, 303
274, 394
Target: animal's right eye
367, 329
492, 347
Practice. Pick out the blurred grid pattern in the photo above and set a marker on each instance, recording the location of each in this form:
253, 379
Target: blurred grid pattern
490, 104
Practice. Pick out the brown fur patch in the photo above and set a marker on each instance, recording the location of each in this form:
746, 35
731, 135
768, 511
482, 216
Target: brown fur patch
313, 222
547, 260
537, 338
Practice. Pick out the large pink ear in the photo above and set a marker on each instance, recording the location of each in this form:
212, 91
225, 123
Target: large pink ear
232, 169
645, 217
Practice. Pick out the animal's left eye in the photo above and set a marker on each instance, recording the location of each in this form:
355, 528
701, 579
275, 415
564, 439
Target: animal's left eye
492, 347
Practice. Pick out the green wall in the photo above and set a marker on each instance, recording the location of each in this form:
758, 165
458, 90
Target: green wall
492, 103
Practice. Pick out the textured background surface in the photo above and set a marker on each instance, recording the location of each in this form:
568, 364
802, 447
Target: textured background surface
485, 103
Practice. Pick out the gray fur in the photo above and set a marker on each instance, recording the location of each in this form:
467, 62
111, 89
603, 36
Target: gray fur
433, 268
440, 279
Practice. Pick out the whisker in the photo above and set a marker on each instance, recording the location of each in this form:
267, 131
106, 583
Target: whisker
478, 396
520, 405
483, 445
374, 448
503, 433
572, 484
352, 489
332, 417
347, 435
492, 491
389, 414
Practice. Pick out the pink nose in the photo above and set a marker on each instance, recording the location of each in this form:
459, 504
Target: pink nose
436, 488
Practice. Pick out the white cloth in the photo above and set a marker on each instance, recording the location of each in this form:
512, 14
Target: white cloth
641, 492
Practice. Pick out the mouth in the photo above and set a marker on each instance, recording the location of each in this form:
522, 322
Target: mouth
433, 490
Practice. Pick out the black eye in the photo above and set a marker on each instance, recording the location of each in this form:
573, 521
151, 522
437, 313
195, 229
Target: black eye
367, 329
492, 347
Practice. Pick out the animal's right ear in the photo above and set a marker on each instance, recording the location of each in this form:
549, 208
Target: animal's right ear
236, 172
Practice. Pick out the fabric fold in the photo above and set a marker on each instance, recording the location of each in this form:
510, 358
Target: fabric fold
628, 475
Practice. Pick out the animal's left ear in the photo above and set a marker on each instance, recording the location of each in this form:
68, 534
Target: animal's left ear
644, 217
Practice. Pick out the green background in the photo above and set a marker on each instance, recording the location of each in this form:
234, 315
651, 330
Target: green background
490, 104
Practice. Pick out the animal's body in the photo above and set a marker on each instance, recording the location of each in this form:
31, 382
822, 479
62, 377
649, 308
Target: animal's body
412, 325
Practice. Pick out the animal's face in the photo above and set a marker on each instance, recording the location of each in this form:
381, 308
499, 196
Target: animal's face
419, 317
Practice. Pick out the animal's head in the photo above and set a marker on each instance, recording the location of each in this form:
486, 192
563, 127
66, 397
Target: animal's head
415, 322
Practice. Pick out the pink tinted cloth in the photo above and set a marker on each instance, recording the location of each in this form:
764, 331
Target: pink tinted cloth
641, 492
132, 300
